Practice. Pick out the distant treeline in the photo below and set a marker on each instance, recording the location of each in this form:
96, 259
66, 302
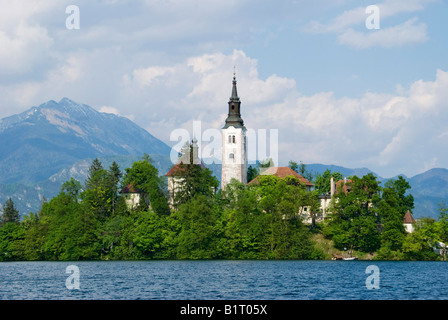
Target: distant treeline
260, 221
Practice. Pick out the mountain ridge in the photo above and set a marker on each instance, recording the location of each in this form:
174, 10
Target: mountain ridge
45, 139
45, 145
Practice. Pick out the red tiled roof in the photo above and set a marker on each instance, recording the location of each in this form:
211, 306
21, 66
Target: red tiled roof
282, 172
408, 218
345, 185
130, 189
176, 169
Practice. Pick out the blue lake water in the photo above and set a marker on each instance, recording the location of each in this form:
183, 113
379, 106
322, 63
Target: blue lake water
215, 280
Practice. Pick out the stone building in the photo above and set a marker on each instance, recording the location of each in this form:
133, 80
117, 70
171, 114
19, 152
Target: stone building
234, 143
408, 222
133, 196
189, 156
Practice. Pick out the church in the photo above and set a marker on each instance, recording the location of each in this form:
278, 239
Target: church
234, 149
234, 152
234, 166
234, 143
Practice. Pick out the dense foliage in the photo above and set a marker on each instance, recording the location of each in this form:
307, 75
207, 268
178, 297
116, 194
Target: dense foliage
369, 219
93, 221
258, 221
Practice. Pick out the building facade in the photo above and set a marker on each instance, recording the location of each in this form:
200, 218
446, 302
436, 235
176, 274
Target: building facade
189, 156
234, 143
133, 196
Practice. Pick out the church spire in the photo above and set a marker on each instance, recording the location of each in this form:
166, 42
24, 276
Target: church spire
234, 95
234, 116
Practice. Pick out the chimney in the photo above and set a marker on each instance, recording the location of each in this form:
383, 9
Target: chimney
195, 152
332, 187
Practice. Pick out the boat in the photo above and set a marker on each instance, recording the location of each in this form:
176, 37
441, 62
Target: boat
350, 258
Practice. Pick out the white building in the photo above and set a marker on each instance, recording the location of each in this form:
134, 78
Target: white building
408, 222
133, 196
189, 156
234, 143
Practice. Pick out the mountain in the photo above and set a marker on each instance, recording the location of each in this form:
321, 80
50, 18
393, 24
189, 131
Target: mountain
46, 139
45, 146
316, 168
29, 198
429, 189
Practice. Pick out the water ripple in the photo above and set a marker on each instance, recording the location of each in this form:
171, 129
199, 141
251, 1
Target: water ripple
268, 280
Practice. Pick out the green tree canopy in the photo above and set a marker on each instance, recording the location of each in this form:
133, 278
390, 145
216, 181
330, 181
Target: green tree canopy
194, 180
322, 182
354, 221
144, 176
10, 213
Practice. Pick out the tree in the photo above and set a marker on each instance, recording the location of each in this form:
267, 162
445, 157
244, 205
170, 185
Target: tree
10, 213
194, 180
11, 242
354, 221
400, 187
97, 195
293, 165
72, 188
96, 174
312, 203
419, 244
199, 229
267, 163
392, 207
443, 227
243, 222
284, 235
304, 172
112, 179
144, 176
322, 182
252, 173
149, 235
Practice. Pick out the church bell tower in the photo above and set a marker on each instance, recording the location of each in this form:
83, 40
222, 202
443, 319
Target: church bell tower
234, 145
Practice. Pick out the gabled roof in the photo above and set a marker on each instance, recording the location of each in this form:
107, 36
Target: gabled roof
130, 189
176, 169
282, 172
346, 185
408, 218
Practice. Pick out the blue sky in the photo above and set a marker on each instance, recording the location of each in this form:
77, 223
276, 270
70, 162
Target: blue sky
337, 92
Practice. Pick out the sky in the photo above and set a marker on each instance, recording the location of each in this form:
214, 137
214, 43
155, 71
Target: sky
342, 83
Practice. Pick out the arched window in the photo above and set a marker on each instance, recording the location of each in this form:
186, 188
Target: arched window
231, 156
233, 139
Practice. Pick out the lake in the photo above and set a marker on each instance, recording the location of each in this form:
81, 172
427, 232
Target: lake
227, 280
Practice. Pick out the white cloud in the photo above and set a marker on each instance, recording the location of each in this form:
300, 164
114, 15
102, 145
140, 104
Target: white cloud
108, 109
23, 48
350, 28
390, 133
396, 36
147, 76
150, 66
